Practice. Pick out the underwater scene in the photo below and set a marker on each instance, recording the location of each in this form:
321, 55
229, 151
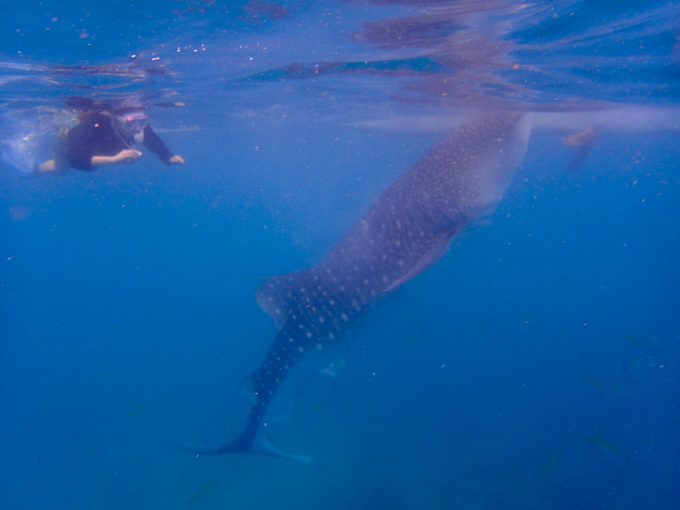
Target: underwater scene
344, 254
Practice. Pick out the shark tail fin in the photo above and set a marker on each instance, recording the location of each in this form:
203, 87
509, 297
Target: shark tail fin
242, 444
264, 447
245, 443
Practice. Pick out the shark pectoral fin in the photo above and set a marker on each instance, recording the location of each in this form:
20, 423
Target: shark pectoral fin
428, 258
264, 447
274, 295
334, 368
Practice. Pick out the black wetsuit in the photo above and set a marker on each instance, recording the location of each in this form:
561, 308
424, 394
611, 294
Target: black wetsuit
96, 136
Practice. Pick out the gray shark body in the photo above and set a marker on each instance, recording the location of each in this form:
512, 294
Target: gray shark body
403, 233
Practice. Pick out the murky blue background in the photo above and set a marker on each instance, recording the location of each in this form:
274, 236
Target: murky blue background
535, 366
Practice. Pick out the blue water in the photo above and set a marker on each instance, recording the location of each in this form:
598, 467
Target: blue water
535, 366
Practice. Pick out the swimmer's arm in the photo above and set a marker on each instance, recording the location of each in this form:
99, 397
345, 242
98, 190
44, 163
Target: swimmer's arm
124, 156
154, 143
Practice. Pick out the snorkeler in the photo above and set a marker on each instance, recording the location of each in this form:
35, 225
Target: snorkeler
107, 135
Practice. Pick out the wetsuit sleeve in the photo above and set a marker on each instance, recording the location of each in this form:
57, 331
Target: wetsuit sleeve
154, 143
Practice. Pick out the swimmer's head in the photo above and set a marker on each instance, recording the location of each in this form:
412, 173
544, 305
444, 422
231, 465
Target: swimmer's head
131, 121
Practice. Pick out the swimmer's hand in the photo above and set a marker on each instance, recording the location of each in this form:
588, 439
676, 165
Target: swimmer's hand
127, 156
176, 160
124, 156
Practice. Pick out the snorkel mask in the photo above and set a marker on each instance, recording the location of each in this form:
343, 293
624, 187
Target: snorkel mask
131, 122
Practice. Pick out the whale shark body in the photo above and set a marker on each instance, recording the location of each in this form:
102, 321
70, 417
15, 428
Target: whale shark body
403, 233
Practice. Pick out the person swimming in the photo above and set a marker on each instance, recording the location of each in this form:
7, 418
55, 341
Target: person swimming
107, 134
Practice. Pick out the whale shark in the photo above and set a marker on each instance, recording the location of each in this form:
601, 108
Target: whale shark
403, 233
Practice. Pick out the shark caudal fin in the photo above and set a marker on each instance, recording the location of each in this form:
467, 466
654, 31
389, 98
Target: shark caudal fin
264, 447
242, 444
245, 443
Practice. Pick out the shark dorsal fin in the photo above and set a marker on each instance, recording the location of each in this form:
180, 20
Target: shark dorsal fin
275, 295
